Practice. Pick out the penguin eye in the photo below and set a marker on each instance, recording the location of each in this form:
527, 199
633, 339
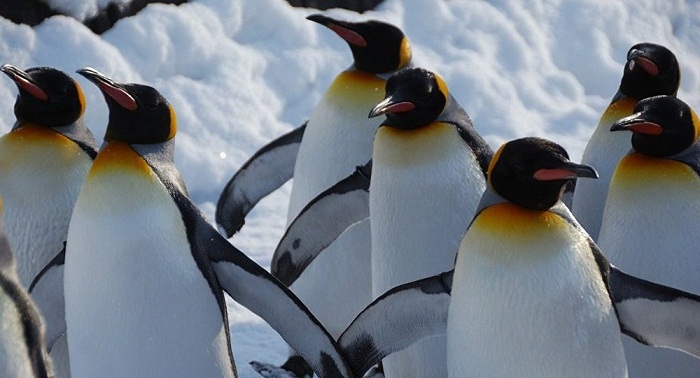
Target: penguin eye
151, 106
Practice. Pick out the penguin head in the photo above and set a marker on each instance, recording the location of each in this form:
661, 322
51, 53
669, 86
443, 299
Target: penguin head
377, 47
138, 113
651, 70
46, 96
661, 126
415, 97
532, 172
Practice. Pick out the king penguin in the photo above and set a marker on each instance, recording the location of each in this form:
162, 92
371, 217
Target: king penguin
650, 70
23, 351
337, 138
531, 294
650, 218
43, 162
145, 270
428, 174
526, 284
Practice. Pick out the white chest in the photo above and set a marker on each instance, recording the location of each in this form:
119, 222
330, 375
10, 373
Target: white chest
529, 302
338, 136
137, 304
40, 176
425, 187
650, 221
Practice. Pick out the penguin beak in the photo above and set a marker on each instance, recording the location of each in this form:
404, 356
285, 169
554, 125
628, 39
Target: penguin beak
109, 87
636, 123
23, 81
638, 58
391, 105
341, 28
566, 171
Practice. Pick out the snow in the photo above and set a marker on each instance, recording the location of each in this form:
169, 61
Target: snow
241, 72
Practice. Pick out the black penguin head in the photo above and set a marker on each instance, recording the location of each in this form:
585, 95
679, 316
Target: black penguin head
46, 96
137, 113
651, 70
532, 172
377, 47
661, 126
414, 98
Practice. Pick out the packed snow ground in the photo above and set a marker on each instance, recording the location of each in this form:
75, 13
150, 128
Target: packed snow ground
241, 72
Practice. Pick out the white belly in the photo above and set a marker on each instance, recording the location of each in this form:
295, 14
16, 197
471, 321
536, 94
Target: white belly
425, 188
603, 151
527, 303
649, 230
337, 138
40, 177
337, 285
136, 303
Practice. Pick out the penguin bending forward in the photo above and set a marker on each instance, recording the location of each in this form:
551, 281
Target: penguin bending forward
650, 70
531, 294
43, 162
649, 226
145, 272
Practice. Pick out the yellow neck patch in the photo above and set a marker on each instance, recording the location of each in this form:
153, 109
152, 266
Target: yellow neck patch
508, 221
119, 156
619, 109
356, 88
636, 168
425, 145
32, 133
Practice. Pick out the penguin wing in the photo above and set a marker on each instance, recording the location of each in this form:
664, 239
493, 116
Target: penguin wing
47, 292
320, 222
268, 169
253, 287
397, 319
655, 314
457, 116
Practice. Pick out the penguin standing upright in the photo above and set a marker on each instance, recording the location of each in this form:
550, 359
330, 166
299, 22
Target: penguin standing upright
23, 351
531, 295
528, 297
43, 161
145, 270
650, 70
428, 174
649, 225
337, 138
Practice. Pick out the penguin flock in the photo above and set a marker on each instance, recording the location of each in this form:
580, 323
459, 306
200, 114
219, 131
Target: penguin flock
412, 248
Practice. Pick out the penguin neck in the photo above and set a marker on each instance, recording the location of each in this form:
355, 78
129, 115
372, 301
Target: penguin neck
690, 156
161, 158
383, 75
491, 198
81, 135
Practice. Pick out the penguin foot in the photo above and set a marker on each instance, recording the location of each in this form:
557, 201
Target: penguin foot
272, 371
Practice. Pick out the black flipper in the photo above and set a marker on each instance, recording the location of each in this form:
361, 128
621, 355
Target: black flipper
397, 319
268, 169
320, 223
655, 314
253, 287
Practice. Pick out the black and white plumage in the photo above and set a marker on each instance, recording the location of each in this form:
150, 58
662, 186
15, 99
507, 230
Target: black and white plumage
146, 273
